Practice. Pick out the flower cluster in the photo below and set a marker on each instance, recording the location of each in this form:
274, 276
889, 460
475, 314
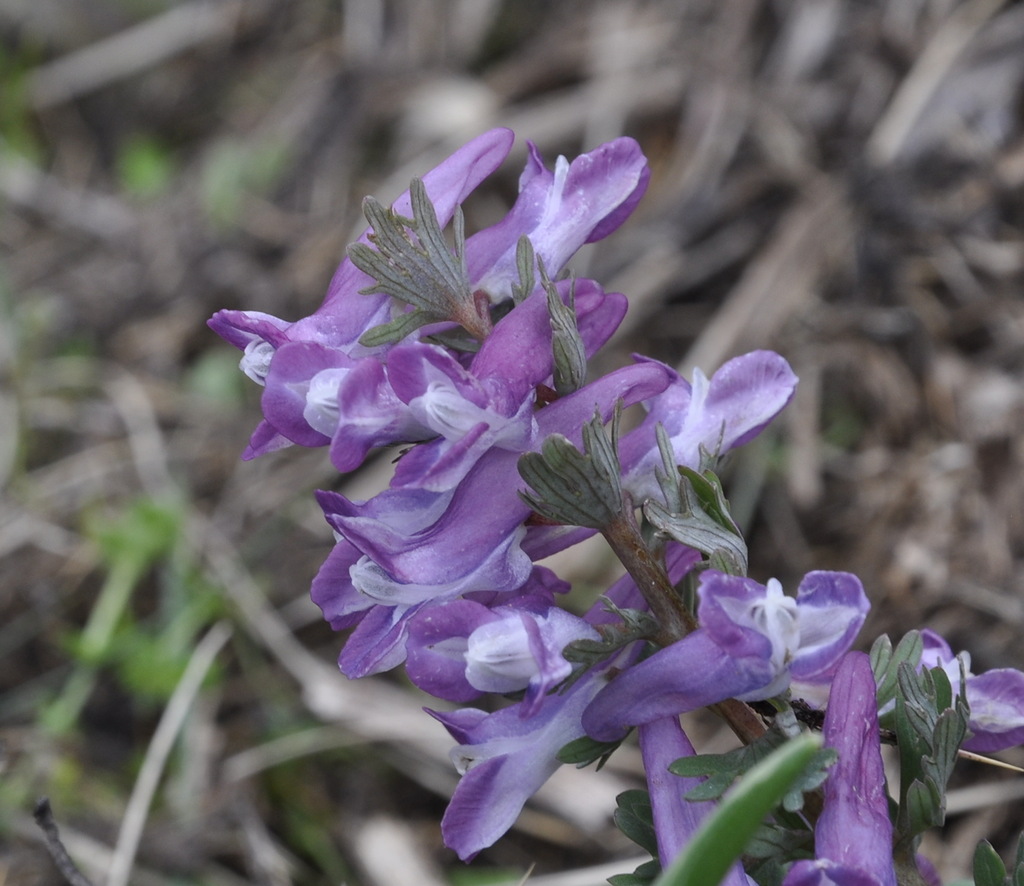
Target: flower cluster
473, 358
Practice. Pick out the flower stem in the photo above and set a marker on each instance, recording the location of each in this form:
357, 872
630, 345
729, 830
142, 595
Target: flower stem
673, 617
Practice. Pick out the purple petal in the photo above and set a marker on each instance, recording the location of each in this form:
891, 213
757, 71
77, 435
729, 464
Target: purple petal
370, 415
285, 396
675, 819
692, 673
378, 642
996, 700
578, 203
832, 607
732, 408
332, 590
854, 830
505, 758
437, 648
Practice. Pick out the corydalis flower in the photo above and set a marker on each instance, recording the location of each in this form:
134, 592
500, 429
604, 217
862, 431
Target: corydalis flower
717, 414
504, 757
995, 698
463, 649
753, 640
853, 835
580, 202
309, 393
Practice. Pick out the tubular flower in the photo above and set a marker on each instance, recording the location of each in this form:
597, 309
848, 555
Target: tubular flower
853, 835
752, 640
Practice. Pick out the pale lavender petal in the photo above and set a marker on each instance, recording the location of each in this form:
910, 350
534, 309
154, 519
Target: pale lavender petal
996, 700
505, 758
579, 202
719, 414
265, 439
832, 608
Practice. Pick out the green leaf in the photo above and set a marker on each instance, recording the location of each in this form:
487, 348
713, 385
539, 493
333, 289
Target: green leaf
644, 875
723, 769
145, 167
411, 262
726, 832
586, 750
570, 369
930, 726
885, 663
989, 869
633, 816
572, 487
525, 266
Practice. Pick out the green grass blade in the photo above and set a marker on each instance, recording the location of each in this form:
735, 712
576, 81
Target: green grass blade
723, 836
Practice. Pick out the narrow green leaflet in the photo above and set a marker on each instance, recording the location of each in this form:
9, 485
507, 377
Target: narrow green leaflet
723, 769
885, 662
696, 514
570, 371
411, 261
633, 816
930, 726
989, 869
725, 834
584, 751
572, 487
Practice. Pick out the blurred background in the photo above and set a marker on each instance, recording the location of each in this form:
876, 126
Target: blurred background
839, 180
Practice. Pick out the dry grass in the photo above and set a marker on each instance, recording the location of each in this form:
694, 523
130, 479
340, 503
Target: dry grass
840, 181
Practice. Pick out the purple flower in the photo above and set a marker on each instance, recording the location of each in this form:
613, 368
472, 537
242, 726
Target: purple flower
719, 414
752, 640
461, 649
578, 203
421, 545
505, 757
995, 698
675, 819
346, 313
853, 835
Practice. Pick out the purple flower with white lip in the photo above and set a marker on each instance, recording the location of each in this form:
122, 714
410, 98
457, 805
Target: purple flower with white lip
853, 834
580, 202
491, 404
995, 698
504, 757
462, 649
749, 646
420, 545
720, 413
346, 313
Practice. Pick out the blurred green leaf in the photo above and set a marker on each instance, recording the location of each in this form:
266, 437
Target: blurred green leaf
145, 167
215, 377
989, 869
234, 169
